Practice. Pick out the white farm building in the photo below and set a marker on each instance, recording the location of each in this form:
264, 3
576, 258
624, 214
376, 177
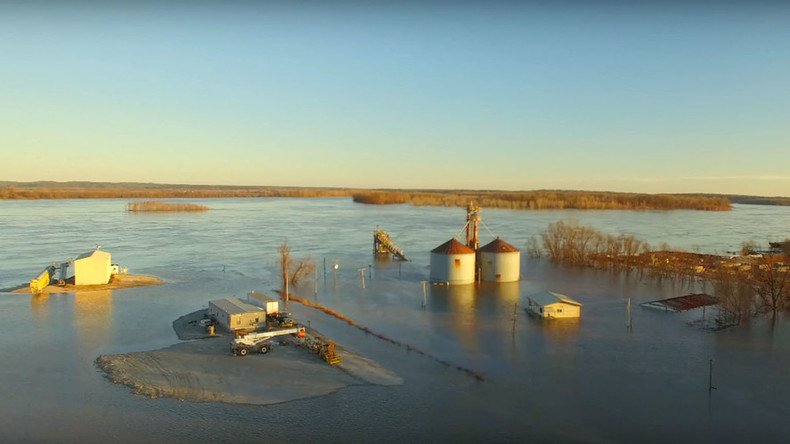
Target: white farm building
93, 268
453, 263
550, 305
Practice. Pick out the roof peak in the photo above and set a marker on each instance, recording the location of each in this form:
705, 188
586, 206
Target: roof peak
453, 246
498, 246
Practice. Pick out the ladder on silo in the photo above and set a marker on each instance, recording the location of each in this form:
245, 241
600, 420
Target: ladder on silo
383, 244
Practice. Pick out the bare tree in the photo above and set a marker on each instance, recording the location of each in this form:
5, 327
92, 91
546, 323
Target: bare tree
736, 297
285, 263
533, 248
770, 281
293, 271
749, 247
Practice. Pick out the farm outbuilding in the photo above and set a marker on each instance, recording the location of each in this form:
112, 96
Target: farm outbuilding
93, 268
453, 263
550, 305
500, 262
233, 314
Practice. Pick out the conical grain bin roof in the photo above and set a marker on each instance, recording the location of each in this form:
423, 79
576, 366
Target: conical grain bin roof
452, 246
498, 246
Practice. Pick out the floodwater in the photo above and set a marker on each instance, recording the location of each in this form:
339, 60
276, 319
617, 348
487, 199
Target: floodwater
585, 381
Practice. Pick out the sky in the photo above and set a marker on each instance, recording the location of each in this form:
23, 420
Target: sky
593, 95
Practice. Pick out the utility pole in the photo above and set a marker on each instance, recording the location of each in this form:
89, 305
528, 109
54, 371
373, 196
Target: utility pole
286, 286
362, 276
710, 378
629, 325
315, 290
515, 316
424, 293
370, 272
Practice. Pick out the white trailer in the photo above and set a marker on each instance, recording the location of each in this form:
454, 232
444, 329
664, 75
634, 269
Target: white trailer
235, 315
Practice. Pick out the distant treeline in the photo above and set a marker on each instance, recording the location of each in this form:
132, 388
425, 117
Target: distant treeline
88, 190
535, 200
152, 205
547, 199
759, 200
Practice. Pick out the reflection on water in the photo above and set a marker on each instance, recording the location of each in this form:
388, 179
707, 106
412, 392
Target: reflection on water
93, 319
558, 329
39, 305
89, 314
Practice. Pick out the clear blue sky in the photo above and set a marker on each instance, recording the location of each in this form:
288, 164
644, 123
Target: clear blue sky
626, 96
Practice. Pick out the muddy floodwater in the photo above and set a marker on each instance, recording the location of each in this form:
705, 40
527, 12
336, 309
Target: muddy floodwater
585, 381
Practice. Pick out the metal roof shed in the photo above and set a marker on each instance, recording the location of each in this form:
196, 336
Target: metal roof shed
550, 305
233, 314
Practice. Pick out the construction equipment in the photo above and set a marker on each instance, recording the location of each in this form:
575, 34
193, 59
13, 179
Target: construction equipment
40, 282
328, 354
325, 349
383, 244
260, 341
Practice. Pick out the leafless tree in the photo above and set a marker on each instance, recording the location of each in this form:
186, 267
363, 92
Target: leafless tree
771, 283
749, 247
291, 270
533, 248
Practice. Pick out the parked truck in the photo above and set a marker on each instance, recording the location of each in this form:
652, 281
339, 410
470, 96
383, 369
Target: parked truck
261, 341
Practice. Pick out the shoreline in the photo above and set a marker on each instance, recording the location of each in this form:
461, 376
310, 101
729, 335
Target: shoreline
201, 368
118, 281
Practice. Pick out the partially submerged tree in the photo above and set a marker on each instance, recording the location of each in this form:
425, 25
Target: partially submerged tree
293, 271
770, 278
736, 297
749, 247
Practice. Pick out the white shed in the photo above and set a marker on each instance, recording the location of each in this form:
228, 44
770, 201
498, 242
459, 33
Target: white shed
453, 262
500, 262
92, 268
234, 314
550, 305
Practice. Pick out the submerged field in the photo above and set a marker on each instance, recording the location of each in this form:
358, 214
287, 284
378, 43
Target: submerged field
585, 381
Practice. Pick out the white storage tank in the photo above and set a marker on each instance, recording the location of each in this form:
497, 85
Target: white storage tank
453, 263
500, 262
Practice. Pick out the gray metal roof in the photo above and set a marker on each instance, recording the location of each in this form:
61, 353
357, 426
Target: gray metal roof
91, 253
549, 297
234, 306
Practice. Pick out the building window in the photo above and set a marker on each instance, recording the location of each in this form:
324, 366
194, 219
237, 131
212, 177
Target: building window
559, 310
458, 263
541, 309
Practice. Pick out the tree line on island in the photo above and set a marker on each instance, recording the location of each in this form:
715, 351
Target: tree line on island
525, 200
747, 285
547, 199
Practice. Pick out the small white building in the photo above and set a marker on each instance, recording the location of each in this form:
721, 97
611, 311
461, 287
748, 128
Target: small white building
500, 262
550, 305
93, 268
453, 263
234, 314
